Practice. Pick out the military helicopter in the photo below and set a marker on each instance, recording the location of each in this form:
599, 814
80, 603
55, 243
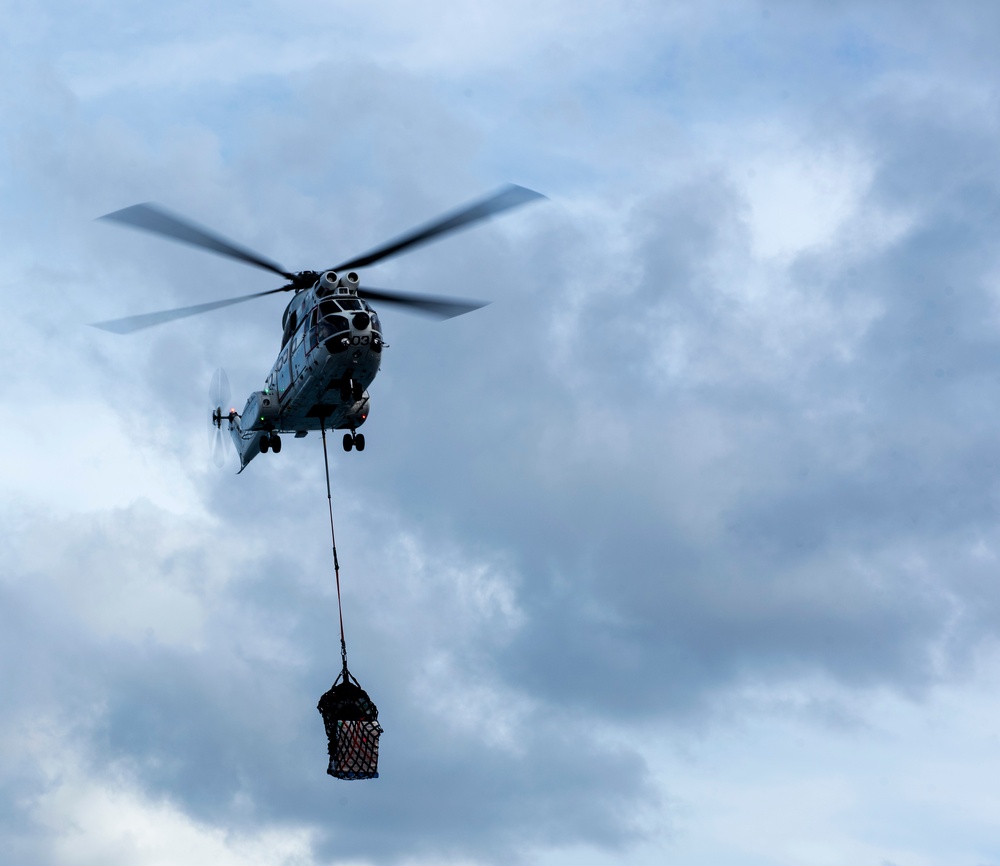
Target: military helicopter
332, 339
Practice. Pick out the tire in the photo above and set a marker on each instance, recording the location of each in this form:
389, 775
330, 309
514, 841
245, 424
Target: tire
348, 441
359, 441
275, 443
265, 443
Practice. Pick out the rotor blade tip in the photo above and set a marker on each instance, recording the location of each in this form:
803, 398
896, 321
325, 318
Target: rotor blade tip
523, 193
110, 327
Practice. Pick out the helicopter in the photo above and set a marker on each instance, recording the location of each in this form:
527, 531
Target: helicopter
332, 338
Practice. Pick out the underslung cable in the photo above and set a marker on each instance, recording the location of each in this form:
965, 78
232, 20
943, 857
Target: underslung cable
336, 564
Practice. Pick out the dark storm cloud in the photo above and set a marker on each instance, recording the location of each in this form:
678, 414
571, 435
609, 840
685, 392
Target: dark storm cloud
227, 718
831, 476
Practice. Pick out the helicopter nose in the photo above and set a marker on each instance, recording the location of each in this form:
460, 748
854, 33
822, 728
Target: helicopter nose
361, 321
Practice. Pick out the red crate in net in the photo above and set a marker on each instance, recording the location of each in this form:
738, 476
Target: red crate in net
352, 730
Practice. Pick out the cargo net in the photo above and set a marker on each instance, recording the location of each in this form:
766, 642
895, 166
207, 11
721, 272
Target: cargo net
352, 730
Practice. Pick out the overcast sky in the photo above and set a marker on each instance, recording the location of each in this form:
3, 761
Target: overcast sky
684, 550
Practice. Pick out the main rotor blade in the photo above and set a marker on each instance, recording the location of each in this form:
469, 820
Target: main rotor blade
436, 306
146, 320
508, 197
151, 218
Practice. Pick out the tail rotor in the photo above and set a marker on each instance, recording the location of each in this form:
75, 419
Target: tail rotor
219, 393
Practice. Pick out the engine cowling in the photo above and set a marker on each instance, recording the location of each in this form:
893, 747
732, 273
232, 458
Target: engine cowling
328, 282
261, 409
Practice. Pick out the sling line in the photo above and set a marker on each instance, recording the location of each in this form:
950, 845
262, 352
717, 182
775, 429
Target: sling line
349, 715
336, 564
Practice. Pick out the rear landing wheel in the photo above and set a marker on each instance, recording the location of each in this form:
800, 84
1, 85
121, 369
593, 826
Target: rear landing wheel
359, 441
265, 443
275, 442
348, 441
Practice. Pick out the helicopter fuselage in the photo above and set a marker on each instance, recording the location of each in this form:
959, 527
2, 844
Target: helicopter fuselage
331, 352
332, 342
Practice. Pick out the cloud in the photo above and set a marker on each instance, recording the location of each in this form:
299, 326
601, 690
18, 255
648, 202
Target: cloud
725, 432
192, 681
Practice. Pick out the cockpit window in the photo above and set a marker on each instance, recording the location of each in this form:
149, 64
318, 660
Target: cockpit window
376, 324
333, 325
328, 308
350, 304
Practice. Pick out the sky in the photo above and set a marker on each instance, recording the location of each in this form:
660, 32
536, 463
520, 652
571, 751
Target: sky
684, 550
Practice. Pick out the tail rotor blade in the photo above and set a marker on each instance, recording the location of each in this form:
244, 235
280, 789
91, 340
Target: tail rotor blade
218, 450
219, 394
219, 391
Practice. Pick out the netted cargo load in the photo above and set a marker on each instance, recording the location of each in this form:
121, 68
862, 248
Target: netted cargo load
352, 729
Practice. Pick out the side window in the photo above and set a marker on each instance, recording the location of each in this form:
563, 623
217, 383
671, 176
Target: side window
311, 338
290, 326
284, 373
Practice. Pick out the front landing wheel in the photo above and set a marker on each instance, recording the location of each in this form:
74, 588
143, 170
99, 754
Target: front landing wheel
348, 441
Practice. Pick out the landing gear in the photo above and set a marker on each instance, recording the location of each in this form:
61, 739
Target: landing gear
275, 443
265, 443
354, 440
270, 441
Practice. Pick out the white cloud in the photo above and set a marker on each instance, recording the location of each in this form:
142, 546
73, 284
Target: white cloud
776, 785
97, 465
801, 200
108, 821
